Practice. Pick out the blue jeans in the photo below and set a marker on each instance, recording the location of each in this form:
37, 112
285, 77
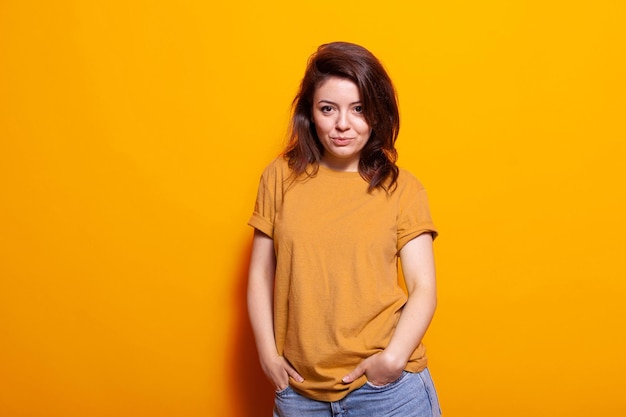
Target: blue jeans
412, 395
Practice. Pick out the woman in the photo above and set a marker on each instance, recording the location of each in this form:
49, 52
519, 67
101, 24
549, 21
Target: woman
335, 332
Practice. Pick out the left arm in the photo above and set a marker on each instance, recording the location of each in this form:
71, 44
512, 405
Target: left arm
418, 267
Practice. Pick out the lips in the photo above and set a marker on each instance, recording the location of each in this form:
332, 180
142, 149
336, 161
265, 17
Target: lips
341, 141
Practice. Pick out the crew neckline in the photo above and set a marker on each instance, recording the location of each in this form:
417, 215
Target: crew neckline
338, 173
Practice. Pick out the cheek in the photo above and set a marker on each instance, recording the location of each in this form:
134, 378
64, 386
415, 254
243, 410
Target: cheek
319, 132
361, 125
364, 129
322, 127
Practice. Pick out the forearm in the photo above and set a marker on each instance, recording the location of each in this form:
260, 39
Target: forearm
260, 310
418, 266
412, 325
261, 293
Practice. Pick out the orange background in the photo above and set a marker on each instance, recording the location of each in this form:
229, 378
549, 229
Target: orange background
132, 137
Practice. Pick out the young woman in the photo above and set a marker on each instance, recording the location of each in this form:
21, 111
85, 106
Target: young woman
335, 333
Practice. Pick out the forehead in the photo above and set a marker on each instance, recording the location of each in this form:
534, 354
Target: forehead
337, 88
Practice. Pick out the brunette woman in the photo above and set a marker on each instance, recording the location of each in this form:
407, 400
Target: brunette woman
335, 333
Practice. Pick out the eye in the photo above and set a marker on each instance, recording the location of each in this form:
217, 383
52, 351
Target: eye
358, 109
326, 109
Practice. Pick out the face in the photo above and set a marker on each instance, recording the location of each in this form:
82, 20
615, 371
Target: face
340, 123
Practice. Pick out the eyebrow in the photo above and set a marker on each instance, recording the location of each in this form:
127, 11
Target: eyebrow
332, 102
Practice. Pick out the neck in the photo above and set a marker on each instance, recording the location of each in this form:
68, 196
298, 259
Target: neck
340, 164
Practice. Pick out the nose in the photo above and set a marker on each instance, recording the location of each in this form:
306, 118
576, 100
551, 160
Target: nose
343, 123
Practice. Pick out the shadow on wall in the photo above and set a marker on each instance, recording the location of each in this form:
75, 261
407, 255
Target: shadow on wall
253, 392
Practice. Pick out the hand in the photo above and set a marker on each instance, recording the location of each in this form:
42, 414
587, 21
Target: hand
278, 371
380, 369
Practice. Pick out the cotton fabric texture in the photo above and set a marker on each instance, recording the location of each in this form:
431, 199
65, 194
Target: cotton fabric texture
336, 296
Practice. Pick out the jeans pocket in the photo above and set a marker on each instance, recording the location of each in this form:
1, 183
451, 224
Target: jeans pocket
388, 385
282, 392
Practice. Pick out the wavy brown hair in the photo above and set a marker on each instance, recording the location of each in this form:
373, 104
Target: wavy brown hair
377, 164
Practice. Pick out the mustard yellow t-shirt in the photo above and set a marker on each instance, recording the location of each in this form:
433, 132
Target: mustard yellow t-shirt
336, 296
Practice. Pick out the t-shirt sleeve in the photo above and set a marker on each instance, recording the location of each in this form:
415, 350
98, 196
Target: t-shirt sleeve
414, 213
267, 202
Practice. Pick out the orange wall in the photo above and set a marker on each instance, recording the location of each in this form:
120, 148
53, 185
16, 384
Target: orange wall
132, 136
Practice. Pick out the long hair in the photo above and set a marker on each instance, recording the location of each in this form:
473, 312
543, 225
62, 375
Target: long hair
377, 163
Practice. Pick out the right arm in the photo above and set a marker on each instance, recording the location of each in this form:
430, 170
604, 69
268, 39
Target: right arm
261, 311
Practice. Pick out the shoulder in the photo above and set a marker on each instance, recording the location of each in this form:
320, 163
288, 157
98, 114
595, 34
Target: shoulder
277, 168
408, 182
277, 175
